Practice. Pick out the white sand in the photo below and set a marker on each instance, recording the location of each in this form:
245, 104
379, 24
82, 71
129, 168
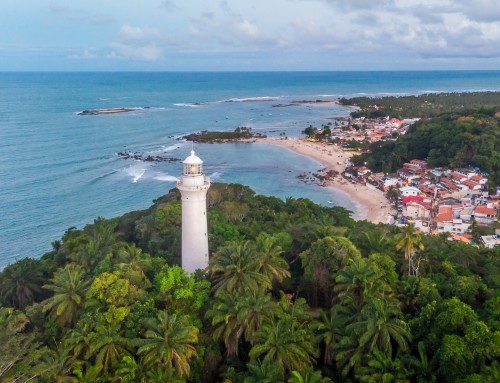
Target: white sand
374, 206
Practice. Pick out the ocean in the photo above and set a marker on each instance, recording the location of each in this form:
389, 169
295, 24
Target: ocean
59, 169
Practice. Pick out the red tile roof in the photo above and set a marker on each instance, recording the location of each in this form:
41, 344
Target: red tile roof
485, 210
470, 183
443, 217
477, 178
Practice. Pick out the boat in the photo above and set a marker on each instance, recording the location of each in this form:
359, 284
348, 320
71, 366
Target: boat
331, 202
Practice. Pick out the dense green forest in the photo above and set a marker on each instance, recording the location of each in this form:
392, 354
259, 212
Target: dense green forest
450, 140
425, 105
295, 292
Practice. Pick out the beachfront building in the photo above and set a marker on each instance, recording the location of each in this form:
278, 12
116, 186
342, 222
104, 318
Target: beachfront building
408, 191
193, 187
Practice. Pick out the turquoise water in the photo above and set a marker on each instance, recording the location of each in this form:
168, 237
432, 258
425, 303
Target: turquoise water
59, 169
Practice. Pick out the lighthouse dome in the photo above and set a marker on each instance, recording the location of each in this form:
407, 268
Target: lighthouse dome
193, 159
193, 165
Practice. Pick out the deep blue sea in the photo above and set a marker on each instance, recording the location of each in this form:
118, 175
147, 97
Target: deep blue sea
59, 169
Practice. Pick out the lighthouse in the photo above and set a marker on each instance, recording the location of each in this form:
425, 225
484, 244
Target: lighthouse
193, 187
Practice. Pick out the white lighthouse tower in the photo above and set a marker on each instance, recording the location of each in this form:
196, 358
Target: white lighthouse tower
193, 187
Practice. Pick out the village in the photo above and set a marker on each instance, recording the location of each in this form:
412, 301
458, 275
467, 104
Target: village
435, 200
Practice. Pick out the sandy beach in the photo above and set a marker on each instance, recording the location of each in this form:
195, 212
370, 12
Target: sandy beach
374, 207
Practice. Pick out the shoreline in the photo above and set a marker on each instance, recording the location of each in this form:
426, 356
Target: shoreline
373, 206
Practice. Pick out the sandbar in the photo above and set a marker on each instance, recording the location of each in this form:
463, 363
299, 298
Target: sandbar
374, 207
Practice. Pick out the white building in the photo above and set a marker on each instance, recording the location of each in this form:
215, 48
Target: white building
408, 191
490, 241
193, 187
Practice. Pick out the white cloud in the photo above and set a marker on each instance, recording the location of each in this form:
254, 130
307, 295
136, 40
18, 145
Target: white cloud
86, 54
138, 34
149, 52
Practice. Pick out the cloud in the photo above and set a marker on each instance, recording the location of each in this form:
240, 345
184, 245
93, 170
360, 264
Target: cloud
87, 54
138, 34
140, 43
480, 10
149, 52
359, 5
81, 15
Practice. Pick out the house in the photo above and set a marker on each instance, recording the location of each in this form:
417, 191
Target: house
457, 177
422, 225
465, 238
483, 214
418, 210
479, 179
407, 191
466, 214
446, 223
363, 171
448, 185
419, 163
472, 185
388, 182
490, 241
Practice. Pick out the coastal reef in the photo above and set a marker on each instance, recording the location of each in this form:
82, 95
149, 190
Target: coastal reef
93, 112
147, 158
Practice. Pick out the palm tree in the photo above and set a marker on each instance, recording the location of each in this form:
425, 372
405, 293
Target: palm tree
69, 290
360, 281
256, 309
380, 326
308, 376
103, 234
107, 347
285, 344
410, 241
135, 263
261, 372
58, 363
423, 370
377, 241
328, 327
382, 369
269, 260
21, 282
169, 341
235, 268
224, 315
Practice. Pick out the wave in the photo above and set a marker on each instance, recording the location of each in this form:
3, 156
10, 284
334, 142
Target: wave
97, 179
190, 105
169, 148
215, 175
251, 99
165, 177
136, 171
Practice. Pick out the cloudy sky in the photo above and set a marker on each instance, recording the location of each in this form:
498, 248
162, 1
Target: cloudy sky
208, 35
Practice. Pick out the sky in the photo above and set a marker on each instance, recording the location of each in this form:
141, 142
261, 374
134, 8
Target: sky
249, 35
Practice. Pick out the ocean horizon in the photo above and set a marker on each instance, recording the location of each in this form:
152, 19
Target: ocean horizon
59, 169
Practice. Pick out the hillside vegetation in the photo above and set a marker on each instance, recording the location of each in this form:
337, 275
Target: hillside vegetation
426, 105
451, 140
294, 292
